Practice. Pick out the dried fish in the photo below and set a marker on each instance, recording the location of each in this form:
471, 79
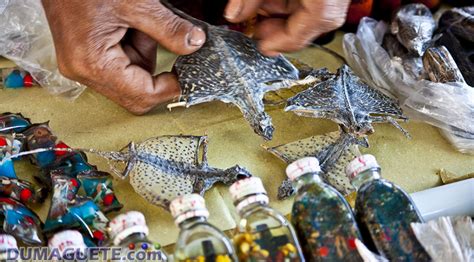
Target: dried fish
413, 24
457, 29
440, 66
348, 101
229, 68
334, 151
163, 168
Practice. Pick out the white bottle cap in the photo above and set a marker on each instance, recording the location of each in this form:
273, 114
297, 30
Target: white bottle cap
252, 187
67, 241
248, 186
187, 206
126, 224
302, 166
361, 164
7, 244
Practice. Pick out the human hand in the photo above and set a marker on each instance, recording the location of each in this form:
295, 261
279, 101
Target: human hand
291, 24
111, 47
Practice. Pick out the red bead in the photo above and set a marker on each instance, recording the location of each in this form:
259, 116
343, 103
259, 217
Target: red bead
108, 199
74, 182
323, 251
28, 80
25, 195
61, 145
99, 235
351, 243
3, 141
131, 246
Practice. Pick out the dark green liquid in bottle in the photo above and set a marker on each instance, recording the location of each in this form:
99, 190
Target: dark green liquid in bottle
324, 222
386, 211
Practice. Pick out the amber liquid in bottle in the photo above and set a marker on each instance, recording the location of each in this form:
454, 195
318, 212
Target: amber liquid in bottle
263, 234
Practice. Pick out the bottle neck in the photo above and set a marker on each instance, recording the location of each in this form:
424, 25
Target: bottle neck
309, 178
191, 221
366, 176
250, 202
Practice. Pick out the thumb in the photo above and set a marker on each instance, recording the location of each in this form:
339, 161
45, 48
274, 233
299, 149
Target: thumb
169, 30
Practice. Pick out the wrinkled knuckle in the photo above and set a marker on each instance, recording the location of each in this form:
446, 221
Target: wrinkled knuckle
173, 26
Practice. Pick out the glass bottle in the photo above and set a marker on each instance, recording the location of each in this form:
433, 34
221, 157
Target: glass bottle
130, 232
68, 245
323, 220
198, 240
8, 248
262, 233
384, 212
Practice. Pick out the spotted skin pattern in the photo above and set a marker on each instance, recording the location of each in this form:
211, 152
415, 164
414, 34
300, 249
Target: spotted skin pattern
163, 168
229, 68
348, 101
334, 151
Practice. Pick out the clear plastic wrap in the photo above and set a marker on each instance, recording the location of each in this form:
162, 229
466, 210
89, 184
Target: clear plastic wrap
449, 106
447, 238
25, 39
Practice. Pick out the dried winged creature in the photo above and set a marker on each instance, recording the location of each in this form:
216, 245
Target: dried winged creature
348, 101
163, 168
334, 151
229, 68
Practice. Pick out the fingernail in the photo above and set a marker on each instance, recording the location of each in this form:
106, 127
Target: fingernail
196, 37
233, 10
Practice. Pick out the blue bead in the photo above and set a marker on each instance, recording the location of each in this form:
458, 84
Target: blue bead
144, 246
14, 80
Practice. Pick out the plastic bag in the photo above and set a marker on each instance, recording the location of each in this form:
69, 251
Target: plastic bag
26, 40
449, 106
446, 238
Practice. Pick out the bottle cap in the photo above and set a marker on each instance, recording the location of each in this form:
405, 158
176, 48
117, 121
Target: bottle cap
245, 187
126, 224
7, 242
7, 245
361, 164
302, 166
188, 206
67, 241
252, 187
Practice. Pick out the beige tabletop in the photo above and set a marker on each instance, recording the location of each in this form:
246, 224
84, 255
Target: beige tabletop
92, 121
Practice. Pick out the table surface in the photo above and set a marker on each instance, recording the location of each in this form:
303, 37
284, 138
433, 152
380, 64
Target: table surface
92, 121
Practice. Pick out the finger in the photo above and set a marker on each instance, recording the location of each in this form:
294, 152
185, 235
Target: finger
306, 24
172, 32
129, 85
280, 7
240, 10
141, 49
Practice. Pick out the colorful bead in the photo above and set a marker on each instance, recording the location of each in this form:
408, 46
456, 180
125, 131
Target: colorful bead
25, 195
131, 246
74, 182
3, 141
99, 235
144, 246
28, 80
61, 145
108, 199
14, 80
157, 246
